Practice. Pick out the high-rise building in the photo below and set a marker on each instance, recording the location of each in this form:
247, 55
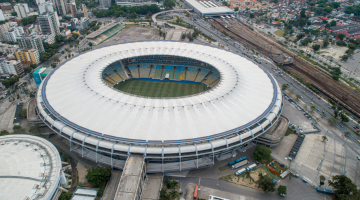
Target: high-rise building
38, 2
48, 23
71, 9
13, 33
32, 41
60, 7
84, 10
22, 10
3, 28
46, 7
10, 67
2, 18
105, 4
83, 23
28, 55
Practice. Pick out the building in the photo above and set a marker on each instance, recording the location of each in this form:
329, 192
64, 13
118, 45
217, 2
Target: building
40, 74
2, 18
46, 7
11, 67
31, 168
8, 49
83, 23
168, 134
135, 2
5, 6
275, 134
38, 2
84, 10
66, 32
85, 193
3, 28
104, 4
50, 39
48, 23
208, 8
71, 9
31, 41
28, 55
22, 10
60, 7
13, 33
104, 33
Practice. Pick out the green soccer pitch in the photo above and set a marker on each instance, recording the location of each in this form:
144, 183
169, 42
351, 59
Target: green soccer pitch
159, 89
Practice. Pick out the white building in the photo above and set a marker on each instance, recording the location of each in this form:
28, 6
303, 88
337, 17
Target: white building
60, 6
39, 2
8, 49
105, 4
48, 23
31, 168
2, 18
134, 2
13, 33
46, 7
83, 23
32, 41
10, 67
22, 10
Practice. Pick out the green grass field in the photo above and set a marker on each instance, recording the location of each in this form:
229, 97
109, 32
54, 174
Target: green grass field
279, 33
160, 89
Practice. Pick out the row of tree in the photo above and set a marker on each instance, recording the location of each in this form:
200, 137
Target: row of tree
125, 11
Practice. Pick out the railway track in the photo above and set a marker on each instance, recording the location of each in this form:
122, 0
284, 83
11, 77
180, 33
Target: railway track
267, 45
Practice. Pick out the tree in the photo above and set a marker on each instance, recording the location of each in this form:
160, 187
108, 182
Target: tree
347, 134
262, 153
322, 180
284, 87
90, 44
35, 129
65, 196
56, 59
333, 23
98, 176
327, 25
302, 13
325, 42
323, 115
316, 47
4, 132
344, 118
33, 66
13, 13
28, 69
341, 36
236, 9
18, 129
342, 186
248, 175
332, 121
23, 113
173, 194
324, 138
172, 184
312, 109
10, 81
252, 15
297, 97
266, 183
282, 189
100, 191
169, 4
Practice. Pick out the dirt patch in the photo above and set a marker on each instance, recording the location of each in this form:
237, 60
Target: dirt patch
242, 180
224, 167
82, 171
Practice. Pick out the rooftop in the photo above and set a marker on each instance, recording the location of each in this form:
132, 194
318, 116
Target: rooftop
30, 167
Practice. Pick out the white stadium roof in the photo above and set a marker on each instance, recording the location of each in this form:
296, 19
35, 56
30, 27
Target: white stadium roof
76, 94
22, 170
209, 9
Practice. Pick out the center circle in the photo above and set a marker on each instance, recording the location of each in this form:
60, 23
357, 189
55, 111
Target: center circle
161, 76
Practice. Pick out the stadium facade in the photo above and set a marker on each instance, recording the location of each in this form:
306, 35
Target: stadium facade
78, 101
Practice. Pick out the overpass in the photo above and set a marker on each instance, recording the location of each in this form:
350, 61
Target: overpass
153, 17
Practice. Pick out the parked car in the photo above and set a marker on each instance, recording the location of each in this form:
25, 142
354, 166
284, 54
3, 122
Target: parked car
355, 128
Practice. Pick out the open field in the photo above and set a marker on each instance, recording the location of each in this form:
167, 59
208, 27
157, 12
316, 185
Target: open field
160, 89
279, 33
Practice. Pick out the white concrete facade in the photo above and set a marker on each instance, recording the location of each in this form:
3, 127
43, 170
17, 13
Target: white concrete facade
22, 10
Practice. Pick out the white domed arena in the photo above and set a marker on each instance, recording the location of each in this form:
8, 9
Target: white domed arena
178, 104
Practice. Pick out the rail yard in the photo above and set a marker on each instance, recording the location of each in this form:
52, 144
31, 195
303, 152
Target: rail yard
268, 46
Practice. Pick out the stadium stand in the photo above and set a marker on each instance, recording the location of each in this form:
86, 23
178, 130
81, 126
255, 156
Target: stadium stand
144, 70
168, 69
214, 83
104, 33
191, 73
202, 75
152, 71
158, 71
179, 73
211, 78
134, 71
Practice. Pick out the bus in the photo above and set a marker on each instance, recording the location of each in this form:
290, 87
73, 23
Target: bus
241, 171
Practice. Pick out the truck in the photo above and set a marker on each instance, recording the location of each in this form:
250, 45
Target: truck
195, 19
251, 167
239, 164
241, 171
231, 163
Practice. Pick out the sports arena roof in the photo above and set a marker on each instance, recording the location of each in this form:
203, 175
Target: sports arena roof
76, 94
30, 167
208, 8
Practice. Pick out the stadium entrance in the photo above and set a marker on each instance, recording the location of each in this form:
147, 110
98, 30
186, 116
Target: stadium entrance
161, 76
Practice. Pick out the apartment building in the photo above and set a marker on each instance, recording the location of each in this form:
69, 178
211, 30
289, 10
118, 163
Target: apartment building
22, 10
60, 6
28, 55
48, 23
10, 67
13, 33
32, 41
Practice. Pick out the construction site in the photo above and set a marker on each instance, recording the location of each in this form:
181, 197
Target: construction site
268, 46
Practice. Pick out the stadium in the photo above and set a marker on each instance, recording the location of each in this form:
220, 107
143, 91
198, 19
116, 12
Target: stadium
177, 104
